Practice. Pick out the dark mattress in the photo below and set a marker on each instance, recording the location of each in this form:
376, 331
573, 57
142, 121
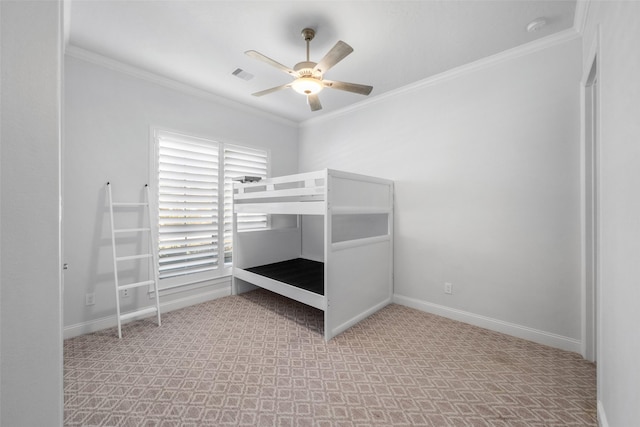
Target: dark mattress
299, 272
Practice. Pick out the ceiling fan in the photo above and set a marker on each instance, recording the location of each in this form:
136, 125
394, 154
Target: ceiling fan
308, 75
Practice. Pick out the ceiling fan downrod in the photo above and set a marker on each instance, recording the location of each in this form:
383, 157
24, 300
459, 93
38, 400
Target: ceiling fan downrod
308, 34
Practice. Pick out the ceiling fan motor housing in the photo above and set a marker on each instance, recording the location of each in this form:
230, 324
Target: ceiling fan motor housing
306, 69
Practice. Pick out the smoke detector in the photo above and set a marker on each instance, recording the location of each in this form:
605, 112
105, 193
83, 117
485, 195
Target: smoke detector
536, 25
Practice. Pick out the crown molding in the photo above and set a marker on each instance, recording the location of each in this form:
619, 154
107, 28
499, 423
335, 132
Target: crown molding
581, 14
489, 61
130, 70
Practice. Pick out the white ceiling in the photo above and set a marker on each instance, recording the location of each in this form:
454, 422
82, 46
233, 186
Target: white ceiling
396, 43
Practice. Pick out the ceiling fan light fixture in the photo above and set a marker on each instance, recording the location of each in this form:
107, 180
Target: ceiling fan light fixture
307, 85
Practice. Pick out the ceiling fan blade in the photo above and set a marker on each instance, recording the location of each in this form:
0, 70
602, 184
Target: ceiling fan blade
273, 63
314, 102
335, 55
273, 89
349, 87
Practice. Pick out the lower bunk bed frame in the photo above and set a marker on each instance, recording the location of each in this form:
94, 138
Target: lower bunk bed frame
352, 277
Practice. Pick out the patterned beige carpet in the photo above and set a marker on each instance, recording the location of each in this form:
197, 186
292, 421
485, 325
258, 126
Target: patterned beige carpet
260, 360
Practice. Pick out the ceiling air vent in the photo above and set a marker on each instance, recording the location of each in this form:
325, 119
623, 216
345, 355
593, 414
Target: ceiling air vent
242, 74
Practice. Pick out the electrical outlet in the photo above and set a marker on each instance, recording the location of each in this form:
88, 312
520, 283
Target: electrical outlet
90, 299
448, 288
124, 293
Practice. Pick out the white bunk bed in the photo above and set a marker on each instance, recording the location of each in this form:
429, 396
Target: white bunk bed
337, 238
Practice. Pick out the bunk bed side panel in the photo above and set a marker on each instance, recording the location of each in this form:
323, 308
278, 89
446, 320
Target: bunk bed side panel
358, 284
358, 249
359, 194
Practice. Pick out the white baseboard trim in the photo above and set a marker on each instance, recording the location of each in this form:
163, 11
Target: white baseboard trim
602, 417
96, 325
519, 331
179, 303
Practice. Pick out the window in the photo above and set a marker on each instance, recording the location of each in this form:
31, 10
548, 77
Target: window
194, 201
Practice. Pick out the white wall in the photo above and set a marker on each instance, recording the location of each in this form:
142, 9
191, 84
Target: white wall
486, 166
31, 317
108, 115
619, 68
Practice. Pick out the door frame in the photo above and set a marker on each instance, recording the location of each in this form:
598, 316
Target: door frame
590, 201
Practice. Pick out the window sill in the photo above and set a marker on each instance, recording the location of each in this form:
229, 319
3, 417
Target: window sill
170, 288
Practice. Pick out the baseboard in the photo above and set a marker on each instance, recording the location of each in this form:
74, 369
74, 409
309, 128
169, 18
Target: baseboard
519, 331
602, 417
165, 307
179, 303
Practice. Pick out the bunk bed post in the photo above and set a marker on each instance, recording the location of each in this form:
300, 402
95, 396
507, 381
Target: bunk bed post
392, 240
234, 236
327, 251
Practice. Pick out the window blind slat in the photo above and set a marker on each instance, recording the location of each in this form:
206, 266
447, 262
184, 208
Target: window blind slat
191, 258
188, 143
188, 190
191, 179
187, 249
168, 266
186, 241
190, 228
183, 153
191, 172
186, 221
189, 198
181, 161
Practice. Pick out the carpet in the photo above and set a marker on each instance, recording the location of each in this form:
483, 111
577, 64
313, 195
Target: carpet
260, 359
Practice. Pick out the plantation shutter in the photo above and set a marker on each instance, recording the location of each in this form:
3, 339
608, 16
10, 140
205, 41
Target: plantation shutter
241, 161
188, 220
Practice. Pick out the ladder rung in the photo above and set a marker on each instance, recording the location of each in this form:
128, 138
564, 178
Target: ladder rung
135, 285
129, 204
126, 258
141, 312
130, 230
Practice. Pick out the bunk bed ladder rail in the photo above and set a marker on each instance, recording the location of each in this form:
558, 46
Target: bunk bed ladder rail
152, 255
